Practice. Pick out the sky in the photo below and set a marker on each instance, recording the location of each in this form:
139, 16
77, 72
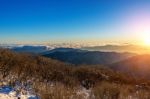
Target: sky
73, 21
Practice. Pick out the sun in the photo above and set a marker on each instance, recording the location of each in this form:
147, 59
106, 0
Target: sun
146, 39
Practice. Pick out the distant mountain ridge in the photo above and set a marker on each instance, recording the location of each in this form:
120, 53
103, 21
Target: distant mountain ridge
77, 56
119, 48
103, 48
29, 49
63, 49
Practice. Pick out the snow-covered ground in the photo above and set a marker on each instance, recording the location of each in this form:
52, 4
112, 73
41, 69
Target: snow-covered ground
85, 93
7, 92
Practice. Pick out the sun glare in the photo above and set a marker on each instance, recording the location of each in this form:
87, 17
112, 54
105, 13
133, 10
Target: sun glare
146, 39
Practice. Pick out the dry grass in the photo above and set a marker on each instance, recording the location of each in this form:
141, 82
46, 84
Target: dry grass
57, 91
107, 90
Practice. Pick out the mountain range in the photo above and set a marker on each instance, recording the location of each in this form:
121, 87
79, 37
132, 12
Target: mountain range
29, 49
77, 56
130, 63
119, 48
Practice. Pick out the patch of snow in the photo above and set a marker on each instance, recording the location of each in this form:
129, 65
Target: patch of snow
7, 92
84, 92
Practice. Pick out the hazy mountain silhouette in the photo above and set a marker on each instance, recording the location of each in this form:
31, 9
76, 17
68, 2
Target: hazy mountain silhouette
62, 49
30, 49
119, 48
77, 56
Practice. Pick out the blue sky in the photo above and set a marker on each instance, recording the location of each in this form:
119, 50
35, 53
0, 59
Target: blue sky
40, 21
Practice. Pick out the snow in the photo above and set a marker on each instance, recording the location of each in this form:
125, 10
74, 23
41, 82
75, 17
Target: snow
84, 92
7, 92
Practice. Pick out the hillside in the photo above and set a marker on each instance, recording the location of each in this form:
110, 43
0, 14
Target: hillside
26, 65
137, 66
51, 79
76, 56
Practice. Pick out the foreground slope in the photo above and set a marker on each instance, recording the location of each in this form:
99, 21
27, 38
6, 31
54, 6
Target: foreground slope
137, 66
25, 66
51, 79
